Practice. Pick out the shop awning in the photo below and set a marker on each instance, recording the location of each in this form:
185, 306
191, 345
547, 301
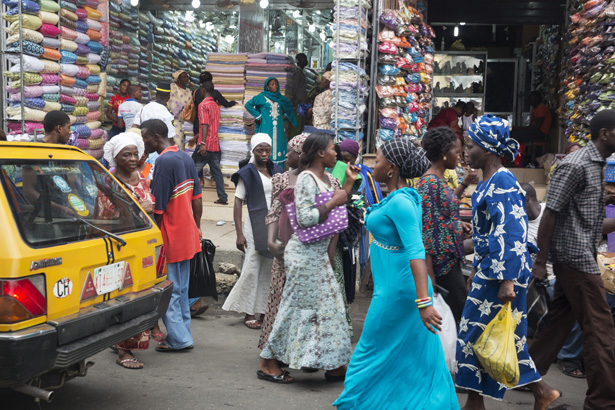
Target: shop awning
210, 5
497, 11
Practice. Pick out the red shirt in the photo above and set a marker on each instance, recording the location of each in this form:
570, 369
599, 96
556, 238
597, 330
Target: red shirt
115, 103
542, 111
174, 185
209, 114
444, 119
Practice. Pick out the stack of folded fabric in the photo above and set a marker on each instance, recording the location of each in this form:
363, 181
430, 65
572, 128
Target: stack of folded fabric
264, 65
146, 40
587, 67
404, 74
41, 68
228, 74
236, 128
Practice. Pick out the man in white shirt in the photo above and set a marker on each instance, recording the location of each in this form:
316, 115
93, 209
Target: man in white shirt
128, 110
157, 110
534, 210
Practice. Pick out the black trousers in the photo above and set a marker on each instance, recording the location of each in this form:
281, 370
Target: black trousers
455, 284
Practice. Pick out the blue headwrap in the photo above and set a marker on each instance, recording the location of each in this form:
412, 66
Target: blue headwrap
493, 134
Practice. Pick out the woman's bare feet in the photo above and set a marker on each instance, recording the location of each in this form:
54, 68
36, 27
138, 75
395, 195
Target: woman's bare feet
544, 395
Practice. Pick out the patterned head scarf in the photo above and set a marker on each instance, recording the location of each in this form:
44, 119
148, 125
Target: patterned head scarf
296, 144
493, 134
410, 159
176, 74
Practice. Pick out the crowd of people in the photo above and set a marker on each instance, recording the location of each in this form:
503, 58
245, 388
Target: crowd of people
294, 284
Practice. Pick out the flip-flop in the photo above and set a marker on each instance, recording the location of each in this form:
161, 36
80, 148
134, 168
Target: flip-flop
252, 324
159, 337
568, 368
166, 349
133, 360
284, 378
331, 378
115, 349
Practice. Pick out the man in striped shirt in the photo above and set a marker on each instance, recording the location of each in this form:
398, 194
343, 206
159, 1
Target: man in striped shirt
177, 210
207, 151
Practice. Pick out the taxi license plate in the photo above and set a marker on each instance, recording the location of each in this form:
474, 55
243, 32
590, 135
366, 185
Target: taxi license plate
108, 278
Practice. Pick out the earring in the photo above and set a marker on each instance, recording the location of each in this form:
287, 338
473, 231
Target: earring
390, 174
444, 158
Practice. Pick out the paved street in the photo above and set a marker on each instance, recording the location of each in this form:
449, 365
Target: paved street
220, 373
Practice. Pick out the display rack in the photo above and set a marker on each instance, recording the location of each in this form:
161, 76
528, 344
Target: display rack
459, 75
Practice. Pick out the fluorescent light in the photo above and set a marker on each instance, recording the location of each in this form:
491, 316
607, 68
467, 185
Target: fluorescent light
312, 28
317, 11
462, 23
196, 3
233, 26
134, 3
456, 31
264, 4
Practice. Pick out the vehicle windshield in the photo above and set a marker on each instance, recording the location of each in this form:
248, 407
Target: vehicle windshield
56, 202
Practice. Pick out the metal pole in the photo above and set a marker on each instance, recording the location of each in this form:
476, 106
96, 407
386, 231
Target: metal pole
21, 69
372, 100
337, 70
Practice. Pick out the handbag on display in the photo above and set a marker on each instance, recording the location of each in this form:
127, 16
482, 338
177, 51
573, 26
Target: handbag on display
336, 222
189, 112
202, 273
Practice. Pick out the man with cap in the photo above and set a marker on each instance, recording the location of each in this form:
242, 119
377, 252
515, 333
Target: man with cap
157, 110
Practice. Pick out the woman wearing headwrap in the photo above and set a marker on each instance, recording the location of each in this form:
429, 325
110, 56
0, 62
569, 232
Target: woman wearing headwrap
253, 186
124, 152
283, 194
310, 329
399, 359
323, 103
269, 109
180, 97
502, 265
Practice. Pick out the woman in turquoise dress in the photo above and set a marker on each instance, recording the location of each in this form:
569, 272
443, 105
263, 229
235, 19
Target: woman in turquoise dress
399, 362
269, 109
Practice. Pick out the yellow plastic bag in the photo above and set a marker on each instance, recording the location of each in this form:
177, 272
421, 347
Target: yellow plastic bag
496, 350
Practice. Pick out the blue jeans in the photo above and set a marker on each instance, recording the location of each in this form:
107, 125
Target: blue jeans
177, 317
213, 160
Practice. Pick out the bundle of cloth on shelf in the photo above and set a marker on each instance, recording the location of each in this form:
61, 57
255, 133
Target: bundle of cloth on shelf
405, 66
235, 131
264, 65
228, 71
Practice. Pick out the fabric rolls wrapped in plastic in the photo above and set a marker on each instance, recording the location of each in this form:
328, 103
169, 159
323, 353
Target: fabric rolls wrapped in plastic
26, 34
29, 48
67, 57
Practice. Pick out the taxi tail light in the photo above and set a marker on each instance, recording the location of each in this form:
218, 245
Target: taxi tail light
160, 260
22, 299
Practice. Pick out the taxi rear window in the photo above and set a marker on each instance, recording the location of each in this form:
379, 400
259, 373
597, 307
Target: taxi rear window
57, 202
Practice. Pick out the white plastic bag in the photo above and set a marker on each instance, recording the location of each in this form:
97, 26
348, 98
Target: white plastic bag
448, 334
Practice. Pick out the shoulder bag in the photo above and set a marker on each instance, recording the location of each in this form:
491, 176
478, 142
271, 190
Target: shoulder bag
189, 112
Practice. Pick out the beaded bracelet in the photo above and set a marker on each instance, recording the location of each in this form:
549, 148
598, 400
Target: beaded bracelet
423, 303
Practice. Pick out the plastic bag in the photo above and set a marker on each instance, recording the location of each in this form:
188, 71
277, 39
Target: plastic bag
202, 273
496, 350
448, 334
538, 303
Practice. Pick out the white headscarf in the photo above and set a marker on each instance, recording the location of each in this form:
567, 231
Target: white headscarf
121, 141
260, 138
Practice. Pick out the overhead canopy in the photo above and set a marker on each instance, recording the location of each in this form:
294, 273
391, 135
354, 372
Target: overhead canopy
209, 5
497, 11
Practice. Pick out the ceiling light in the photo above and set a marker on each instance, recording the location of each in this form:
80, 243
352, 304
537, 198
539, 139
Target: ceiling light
202, 24
296, 14
196, 3
134, 3
317, 11
233, 26
462, 23
456, 31
229, 38
312, 28
264, 4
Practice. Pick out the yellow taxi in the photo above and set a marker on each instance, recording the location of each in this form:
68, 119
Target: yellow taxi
80, 265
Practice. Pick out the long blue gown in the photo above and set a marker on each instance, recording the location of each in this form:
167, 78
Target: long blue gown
397, 364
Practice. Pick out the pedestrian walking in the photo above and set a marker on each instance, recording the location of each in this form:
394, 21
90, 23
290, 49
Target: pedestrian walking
442, 226
502, 264
157, 110
571, 227
310, 329
177, 211
253, 186
399, 361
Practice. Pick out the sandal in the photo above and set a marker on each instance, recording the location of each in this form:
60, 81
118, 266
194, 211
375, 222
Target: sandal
332, 378
115, 349
252, 324
284, 378
571, 369
162, 347
219, 202
159, 337
124, 363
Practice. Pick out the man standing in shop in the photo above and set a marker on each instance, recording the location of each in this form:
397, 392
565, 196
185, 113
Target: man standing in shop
177, 211
449, 117
297, 94
571, 227
207, 151
540, 122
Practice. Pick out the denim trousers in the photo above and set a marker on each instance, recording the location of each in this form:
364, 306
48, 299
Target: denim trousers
213, 160
177, 317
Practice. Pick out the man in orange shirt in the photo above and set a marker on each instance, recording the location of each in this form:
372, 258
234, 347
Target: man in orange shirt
540, 123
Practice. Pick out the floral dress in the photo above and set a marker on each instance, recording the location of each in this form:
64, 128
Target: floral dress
180, 97
500, 228
310, 328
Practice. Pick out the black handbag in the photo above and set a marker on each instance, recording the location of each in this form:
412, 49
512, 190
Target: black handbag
202, 272
538, 304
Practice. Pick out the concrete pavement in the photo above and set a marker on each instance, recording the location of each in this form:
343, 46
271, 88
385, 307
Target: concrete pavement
220, 373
